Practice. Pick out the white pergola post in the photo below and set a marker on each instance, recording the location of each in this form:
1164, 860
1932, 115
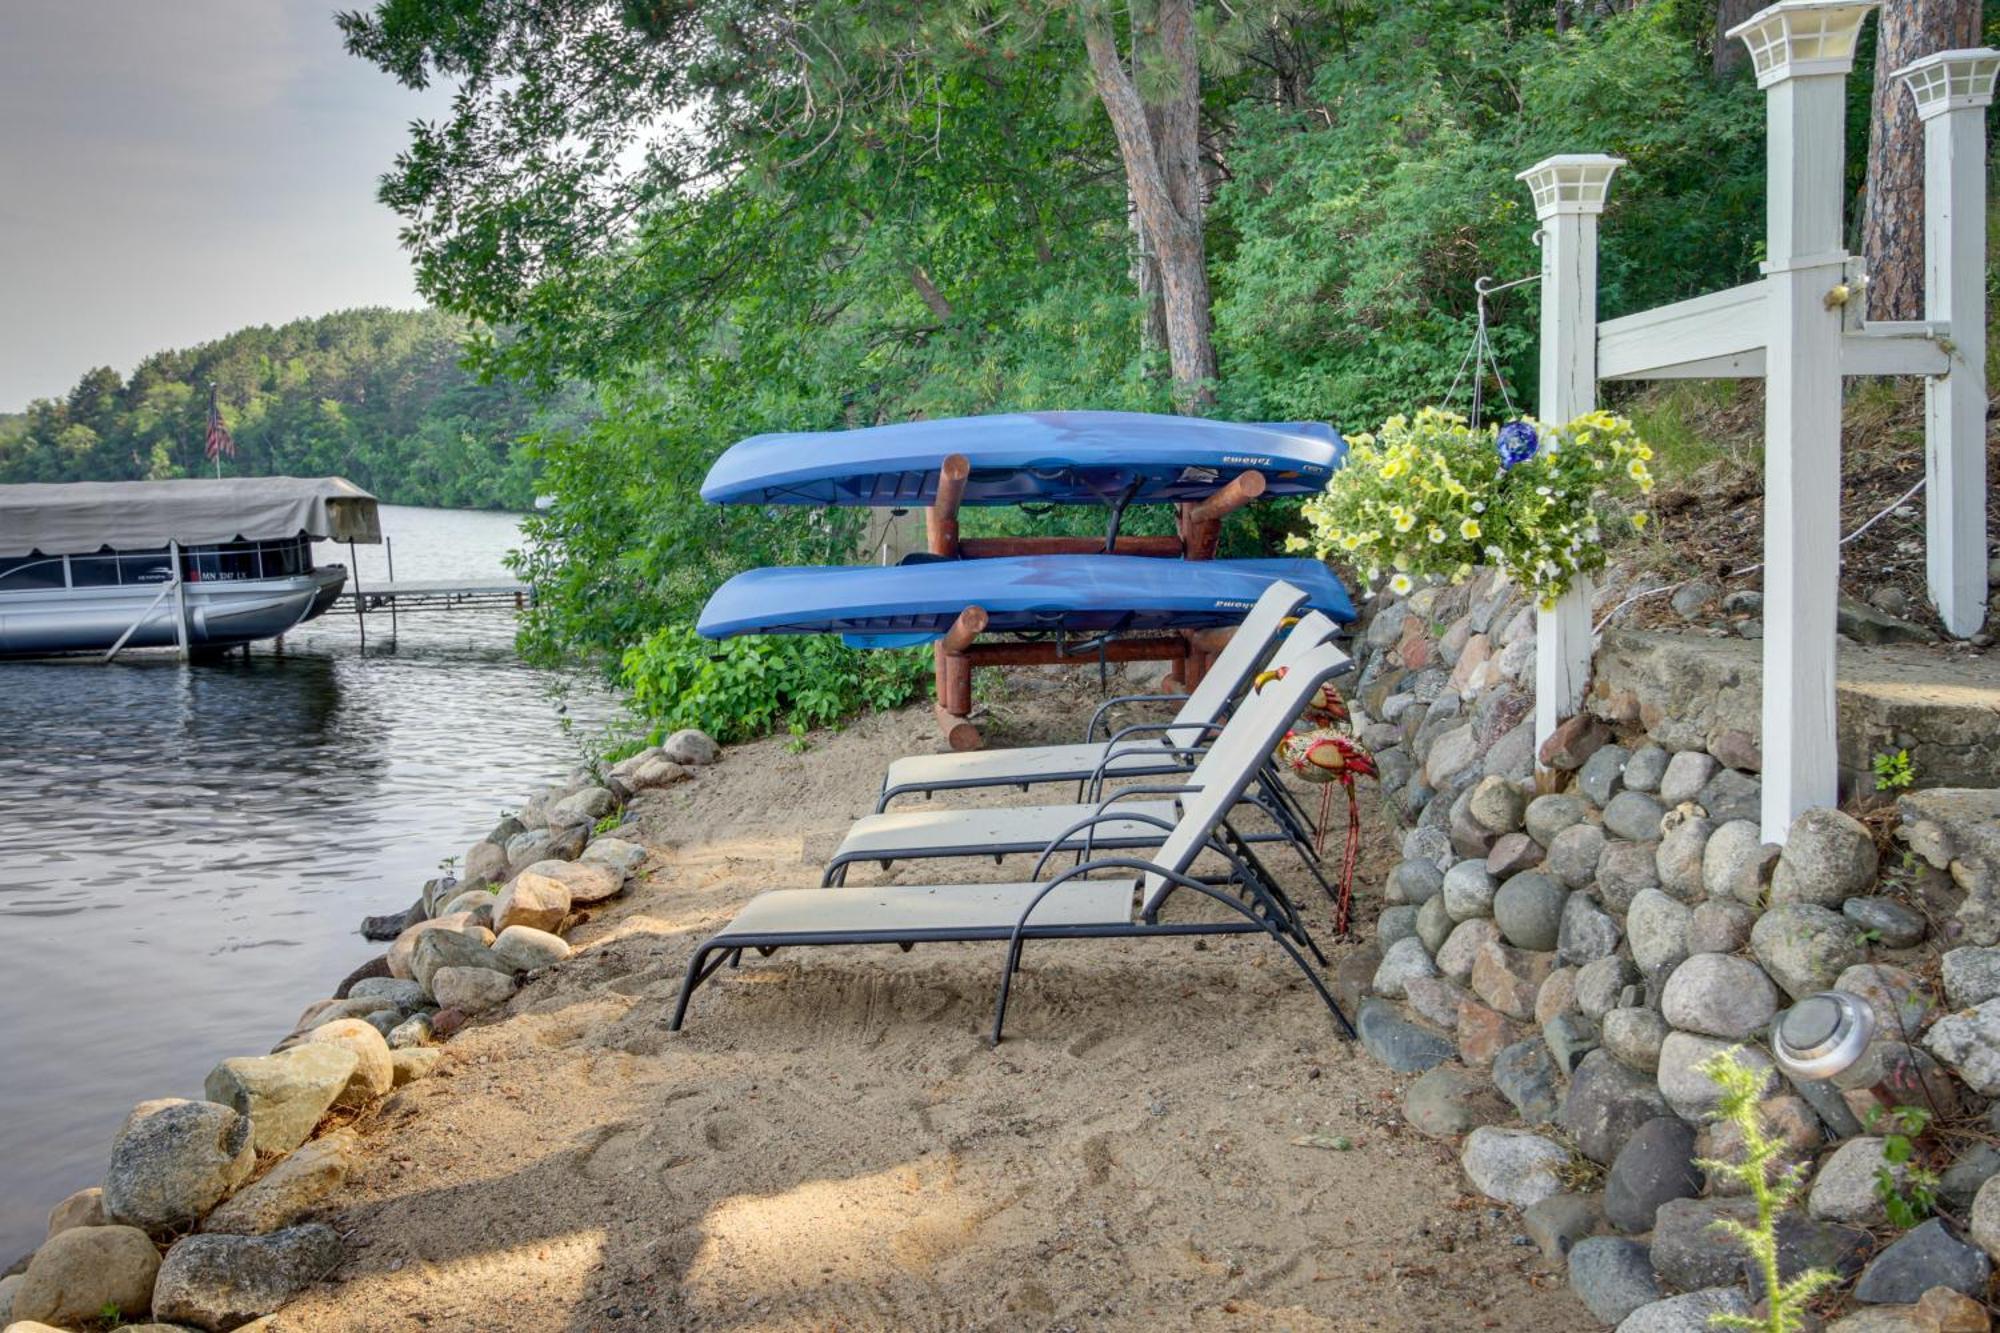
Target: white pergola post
1569, 192
1952, 91
1802, 51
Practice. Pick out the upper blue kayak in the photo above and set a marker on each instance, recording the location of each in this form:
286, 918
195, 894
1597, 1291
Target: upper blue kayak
1026, 458
887, 606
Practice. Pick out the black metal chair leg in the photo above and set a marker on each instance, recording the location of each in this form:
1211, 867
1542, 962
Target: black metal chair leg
1006, 987
696, 974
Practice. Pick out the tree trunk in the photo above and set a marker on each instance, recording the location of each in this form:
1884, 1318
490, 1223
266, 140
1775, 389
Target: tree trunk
1146, 281
1730, 52
928, 291
1161, 148
1892, 233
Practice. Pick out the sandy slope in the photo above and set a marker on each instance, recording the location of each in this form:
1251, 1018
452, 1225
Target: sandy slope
831, 1145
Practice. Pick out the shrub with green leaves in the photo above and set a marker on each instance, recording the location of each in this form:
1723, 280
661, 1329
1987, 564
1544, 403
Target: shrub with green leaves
739, 688
1432, 496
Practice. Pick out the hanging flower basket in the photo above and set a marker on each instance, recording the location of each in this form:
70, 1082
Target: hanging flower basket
1434, 497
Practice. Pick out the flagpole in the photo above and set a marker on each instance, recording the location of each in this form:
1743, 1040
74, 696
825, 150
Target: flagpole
214, 417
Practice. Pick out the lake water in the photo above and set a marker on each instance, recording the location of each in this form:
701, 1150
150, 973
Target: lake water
186, 851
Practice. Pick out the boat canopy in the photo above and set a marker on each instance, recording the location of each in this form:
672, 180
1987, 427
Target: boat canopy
1027, 458
890, 606
79, 517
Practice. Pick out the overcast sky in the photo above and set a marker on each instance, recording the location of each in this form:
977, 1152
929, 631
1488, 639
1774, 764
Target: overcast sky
171, 170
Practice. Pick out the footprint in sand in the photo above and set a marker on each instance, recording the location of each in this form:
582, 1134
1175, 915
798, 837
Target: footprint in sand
724, 1130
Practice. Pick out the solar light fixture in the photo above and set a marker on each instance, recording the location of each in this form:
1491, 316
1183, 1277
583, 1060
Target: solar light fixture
1823, 1035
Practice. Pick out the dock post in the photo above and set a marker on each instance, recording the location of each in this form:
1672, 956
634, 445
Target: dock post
180, 600
389, 553
360, 602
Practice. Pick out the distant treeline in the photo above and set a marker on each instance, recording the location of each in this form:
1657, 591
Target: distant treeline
376, 396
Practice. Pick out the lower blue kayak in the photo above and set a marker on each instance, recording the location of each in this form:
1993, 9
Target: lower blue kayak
892, 606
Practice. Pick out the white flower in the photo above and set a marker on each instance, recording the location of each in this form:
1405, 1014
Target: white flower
1401, 585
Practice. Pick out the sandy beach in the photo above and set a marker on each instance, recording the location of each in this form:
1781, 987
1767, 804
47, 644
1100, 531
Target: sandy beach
832, 1145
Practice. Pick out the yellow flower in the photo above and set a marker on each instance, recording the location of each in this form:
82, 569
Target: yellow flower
1350, 542
1469, 529
1394, 468
1405, 520
1639, 520
1636, 469
1401, 585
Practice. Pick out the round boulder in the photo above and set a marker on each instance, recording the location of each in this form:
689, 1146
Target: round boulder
1497, 805
533, 899
80, 1273
588, 881
1633, 815
1719, 995
1468, 891
373, 1074
1547, 816
1804, 947
174, 1160
1735, 861
1657, 925
1529, 911
220, 1282
1691, 1093
525, 949
1829, 857
1415, 881
1513, 1165
1655, 1165
1574, 852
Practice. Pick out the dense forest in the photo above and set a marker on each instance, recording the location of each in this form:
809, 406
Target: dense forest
381, 397
732, 216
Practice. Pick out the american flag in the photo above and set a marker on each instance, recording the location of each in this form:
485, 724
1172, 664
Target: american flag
219, 442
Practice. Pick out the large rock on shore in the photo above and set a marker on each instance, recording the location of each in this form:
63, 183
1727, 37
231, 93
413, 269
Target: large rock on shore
533, 899
284, 1095
622, 856
440, 949
583, 807
84, 1271
85, 1208
587, 882
372, 1076
215, 1282
691, 748
524, 949
174, 1160
471, 990
278, 1197
403, 951
1512, 1165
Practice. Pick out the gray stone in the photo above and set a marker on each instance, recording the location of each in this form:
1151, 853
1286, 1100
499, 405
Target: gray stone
1602, 775
1691, 1313
1720, 926
1984, 1224
1686, 774
1924, 1257
283, 1095
1415, 882
1678, 858
566, 844
281, 1195
1894, 925
1453, 752
1569, 1038
1529, 909
1585, 932
1599, 985
1497, 805
1971, 976
1558, 1222
413, 1031
1513, 1166
621, 856
1429, 844
449, 948
1402, 960
370, 1078
1397, 1042
1657, 927
1513, 755
1731, 795
1526, 1077
584, 807
407, 995
218, 1282
1434, 924
80, 1272
1691, 1094
1574, 854
1733, 864
1607, 1102
1612, 1277
1646, 767
1512, 854
85, 1208
1689, 1250
1969, 1041
585, 882
1829, 857
1844, 1190
1557, 997
691, 747
1468, 891
174, 1160
1634, 1037
1691, 599
1865, 624
473, 990
1435, 1000
1655, 1165
525, 949
1461, 948
524, 849
1395, 923
1547, 816
1719, 995
1449, 1100
1960, 1182
1804, 947
1624, 871
1633, 815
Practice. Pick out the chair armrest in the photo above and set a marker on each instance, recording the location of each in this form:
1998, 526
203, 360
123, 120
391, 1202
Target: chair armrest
1090, 732
1091, 821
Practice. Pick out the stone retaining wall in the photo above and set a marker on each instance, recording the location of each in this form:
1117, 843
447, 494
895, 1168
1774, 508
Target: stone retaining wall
1556, 963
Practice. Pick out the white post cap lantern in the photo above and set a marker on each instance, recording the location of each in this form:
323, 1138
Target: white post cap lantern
1949, 80
1570, 183
1800, 37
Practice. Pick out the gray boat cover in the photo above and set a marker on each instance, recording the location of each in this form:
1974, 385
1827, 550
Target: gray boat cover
78, 517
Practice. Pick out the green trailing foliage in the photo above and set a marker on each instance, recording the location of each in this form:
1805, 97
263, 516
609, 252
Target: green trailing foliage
377, 396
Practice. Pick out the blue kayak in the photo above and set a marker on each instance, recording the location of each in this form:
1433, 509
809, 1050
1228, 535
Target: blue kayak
893, 606
1027, 458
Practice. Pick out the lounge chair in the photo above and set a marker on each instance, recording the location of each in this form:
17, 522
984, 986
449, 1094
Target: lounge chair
1144, 749
1072, 905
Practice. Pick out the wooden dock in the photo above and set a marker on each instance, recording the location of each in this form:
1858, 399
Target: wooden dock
432, 596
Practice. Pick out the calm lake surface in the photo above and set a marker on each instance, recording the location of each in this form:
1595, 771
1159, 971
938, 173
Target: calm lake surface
186, 852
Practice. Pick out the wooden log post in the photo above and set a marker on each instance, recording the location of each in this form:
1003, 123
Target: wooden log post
1802, 51
1952, 91
941, 537
954, 698
1569, 192
1201, 522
